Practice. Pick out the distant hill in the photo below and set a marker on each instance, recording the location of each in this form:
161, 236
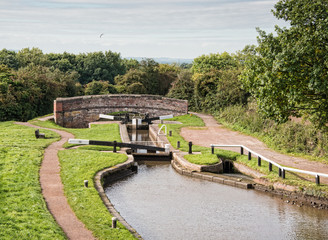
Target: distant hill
165, 60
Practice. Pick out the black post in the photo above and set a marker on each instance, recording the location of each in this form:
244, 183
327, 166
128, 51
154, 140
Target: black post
114, 222
115, 145
317, 180
259, 161
270, 167
212, 149
170, 133
249, 156
241, 151
283, 174
190, 147
178, 144
280, 172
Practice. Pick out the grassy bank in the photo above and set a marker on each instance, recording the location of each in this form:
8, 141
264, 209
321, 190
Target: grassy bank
206, 158
294, 138
23, 212
79, 165
188, 120
192, 121
100, 132
307, 187
82, 164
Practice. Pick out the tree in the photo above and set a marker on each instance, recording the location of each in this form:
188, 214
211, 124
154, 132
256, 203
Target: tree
8, 58
288, 76
99, 66
183, 87
34, 56
207, 63
99, 87
167, 74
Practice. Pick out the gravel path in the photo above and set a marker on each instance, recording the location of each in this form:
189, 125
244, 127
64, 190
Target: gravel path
53, 193
215, 133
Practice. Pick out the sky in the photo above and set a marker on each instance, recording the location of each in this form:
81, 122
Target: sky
135, 28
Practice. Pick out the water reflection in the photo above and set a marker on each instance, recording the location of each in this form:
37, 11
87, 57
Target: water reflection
161, 204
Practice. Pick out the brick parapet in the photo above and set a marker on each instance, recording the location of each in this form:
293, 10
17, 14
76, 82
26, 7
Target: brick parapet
77, 112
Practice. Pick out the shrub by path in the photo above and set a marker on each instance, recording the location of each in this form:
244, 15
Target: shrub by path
53, 193
215, 133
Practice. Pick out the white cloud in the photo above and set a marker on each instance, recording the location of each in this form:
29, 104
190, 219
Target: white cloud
181, 28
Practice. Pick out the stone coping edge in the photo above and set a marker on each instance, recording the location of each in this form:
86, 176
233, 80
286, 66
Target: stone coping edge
98, 179
212, 178
98, 184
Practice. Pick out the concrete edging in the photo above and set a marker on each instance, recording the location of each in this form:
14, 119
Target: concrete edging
211, 178
98, 185
98, 179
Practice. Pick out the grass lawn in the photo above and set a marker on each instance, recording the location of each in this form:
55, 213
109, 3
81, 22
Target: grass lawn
206, 158
202, 159
23, 212
100, 132
188, 120
82, 164
304, 186
79, 165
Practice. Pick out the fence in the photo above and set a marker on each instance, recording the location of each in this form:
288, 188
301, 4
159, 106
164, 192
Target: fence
282, 169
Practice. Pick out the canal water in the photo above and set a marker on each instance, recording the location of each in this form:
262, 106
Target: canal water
161, 204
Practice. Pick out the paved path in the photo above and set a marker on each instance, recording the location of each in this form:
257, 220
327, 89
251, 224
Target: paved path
53, 193
215, 133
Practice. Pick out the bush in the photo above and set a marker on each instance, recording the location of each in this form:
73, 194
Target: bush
291, 137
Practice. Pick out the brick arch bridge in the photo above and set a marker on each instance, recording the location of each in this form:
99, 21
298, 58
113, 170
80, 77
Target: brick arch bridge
78, 112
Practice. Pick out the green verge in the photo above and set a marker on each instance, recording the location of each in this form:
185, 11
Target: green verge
189, 120
100, 132
202, 159
304, 186
195, 122
23, 211
79, 165
82, 164
206, 158
290, 138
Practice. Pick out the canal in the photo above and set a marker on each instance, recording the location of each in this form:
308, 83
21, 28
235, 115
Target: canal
161, 204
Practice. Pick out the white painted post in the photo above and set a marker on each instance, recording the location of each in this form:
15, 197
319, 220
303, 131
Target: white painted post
167, 148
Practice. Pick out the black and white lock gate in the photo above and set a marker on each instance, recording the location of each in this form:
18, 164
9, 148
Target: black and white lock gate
119, 144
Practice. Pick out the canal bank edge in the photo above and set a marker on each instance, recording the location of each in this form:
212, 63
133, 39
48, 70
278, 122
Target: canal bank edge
291, 197
286, 192
100, 177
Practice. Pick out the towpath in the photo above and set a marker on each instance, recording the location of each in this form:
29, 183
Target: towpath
53, 192
215, 133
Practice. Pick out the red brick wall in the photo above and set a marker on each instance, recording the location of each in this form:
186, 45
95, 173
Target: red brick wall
77, 112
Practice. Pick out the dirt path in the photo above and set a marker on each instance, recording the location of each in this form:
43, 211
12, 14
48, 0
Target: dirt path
215, 133
53, 193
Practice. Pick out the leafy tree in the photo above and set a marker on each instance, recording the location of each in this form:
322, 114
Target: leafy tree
136, 88
30, 91
151, 78
65, 62
131, 77
167, 74
99, 87
183, 87
288, 76
131, 64
207, 63
34, 56
8, 58
99, 66
8, 103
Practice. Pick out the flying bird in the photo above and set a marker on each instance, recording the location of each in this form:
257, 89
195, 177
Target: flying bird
101, 35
